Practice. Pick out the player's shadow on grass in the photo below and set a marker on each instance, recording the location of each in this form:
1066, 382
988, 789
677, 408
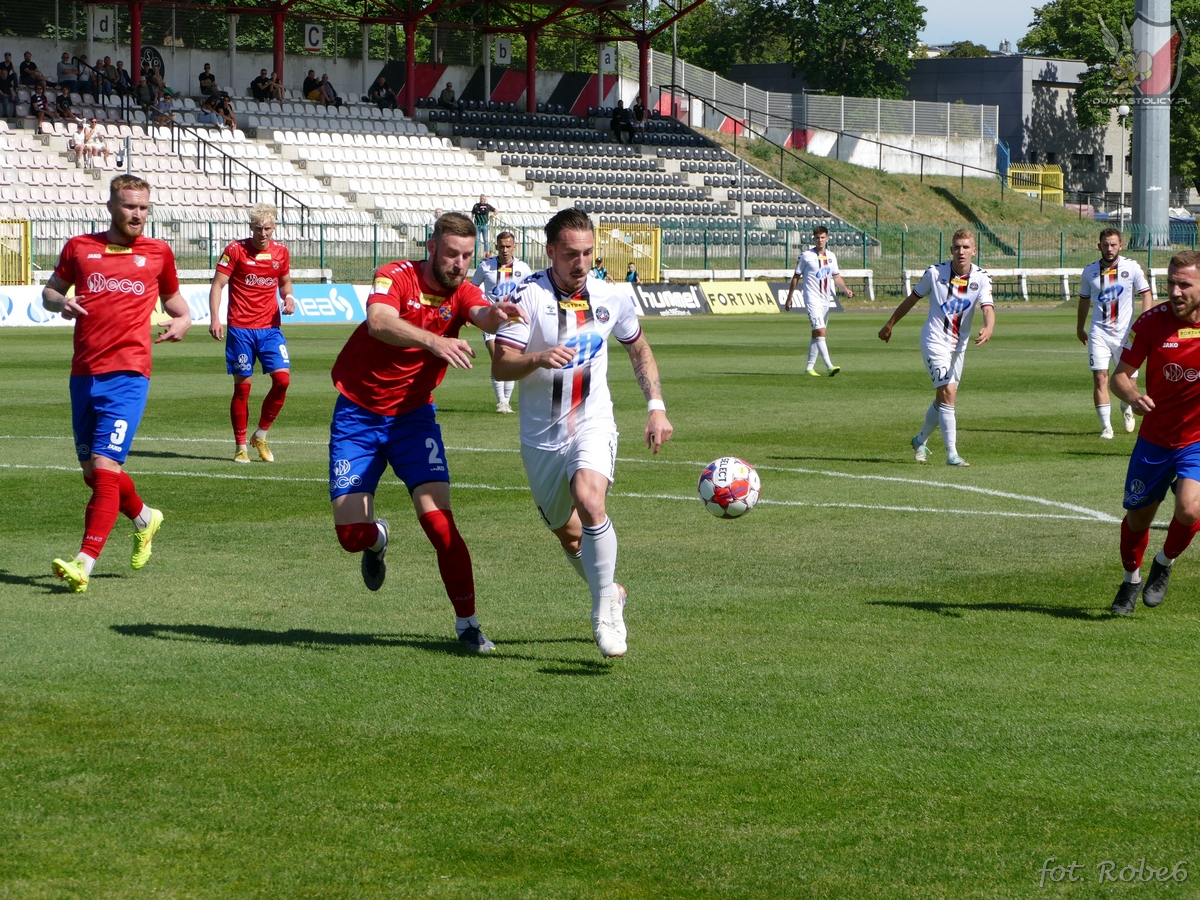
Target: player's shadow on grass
303, 638
955, 610
1043, 432
51, 584
167, 454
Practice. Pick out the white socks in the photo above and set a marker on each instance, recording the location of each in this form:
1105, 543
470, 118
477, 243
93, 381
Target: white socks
1162, 560
498, 388
931, 423
86, 563
576, 561
949, 426
1104, 411
461, 624
509, 386
813, 350
143, 518
1134, 577
824, 351
599, 558
382, 541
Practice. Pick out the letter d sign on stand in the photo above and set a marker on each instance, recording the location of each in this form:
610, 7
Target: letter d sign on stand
102, 23
503, 51
314, 38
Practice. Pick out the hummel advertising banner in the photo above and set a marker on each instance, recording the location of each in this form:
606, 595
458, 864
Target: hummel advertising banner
727, 298
669, 300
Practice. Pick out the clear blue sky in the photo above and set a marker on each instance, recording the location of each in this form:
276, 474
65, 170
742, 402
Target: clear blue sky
983, 22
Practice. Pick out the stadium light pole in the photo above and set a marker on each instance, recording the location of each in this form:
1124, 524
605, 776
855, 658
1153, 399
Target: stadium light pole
1152, 40
1123, 115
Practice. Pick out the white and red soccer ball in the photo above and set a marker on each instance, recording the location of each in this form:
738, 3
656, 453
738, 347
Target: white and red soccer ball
729, 487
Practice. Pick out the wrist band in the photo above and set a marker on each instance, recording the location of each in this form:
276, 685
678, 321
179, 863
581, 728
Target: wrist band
656, 404
285, 296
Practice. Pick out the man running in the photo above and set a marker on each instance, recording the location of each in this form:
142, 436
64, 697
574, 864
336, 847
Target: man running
499, 276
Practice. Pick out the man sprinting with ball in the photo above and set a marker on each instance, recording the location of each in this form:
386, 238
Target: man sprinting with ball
558, 350
1166, 340
385, 376
118, 276
954, 289
1107, 289
257, 269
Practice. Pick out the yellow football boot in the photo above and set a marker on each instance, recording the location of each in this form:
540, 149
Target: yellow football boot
142, 539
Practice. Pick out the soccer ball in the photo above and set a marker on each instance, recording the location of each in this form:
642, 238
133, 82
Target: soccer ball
729, 487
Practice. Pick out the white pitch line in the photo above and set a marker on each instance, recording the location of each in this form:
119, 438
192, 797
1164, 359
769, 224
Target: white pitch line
628, 494
969, 488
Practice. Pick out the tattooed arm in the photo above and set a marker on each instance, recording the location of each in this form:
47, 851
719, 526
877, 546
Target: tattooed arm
645, 369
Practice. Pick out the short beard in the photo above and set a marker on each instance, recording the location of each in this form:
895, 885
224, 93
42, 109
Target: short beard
447, 280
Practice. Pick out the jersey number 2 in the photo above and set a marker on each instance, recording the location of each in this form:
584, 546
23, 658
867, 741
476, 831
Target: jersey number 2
434, 459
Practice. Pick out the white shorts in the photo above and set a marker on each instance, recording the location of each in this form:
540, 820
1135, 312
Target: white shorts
550, 471
945, 366
1102, 348
818, 311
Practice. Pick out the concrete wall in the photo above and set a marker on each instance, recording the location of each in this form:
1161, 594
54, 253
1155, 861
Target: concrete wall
977, 153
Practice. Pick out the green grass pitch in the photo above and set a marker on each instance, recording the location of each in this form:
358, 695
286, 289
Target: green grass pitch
875, 685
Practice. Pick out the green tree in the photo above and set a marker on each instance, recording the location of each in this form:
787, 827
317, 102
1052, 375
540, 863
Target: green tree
1098, 32
721, 34
967, 50
854, 47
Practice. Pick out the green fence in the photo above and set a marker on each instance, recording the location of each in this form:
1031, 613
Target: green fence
354, 251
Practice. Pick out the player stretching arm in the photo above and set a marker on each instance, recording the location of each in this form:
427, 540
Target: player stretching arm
819, 269
257, 269
118, 275
1107, 288
559, 353
384, 415
954, 289
1166, 455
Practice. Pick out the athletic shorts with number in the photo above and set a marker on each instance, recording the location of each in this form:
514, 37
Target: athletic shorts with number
550, 471
945, 366
244, 345
106, 411
818, 312
1102, 347
1153, 470
362, 444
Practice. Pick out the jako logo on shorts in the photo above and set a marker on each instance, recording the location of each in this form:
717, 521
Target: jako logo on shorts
97, 283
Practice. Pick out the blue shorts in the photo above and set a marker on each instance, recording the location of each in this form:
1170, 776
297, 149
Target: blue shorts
244, 345
106, 411
362, 443
1153, 470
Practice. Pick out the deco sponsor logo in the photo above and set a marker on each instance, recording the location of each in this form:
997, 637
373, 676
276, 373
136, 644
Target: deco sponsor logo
1175, 373
259, 281
341, 477
96, 283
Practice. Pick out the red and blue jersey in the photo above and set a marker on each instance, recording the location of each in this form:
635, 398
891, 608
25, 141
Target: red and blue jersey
1170, 351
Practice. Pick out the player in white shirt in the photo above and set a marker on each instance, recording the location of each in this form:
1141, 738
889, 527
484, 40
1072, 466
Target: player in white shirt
499, 276
568, 433
818, 268
1107, 289
954, 289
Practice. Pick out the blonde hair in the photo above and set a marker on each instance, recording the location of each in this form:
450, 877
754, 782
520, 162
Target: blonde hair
126, 183
260, 212
964, 233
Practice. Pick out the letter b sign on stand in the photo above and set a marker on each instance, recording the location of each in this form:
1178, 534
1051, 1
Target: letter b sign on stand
503, 51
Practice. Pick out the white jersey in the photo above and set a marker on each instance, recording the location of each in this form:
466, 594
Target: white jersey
816, 271
555, 403
1112, 290
952, 302
497, 281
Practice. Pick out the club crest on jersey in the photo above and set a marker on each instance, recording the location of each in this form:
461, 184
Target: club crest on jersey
117, 248
974, 286
602, 314
274, 264
445, 312
1124, 274
139, 261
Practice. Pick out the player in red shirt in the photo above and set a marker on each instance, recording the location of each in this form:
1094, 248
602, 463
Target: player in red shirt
257, 270
118, 276
1167, 453
386, 374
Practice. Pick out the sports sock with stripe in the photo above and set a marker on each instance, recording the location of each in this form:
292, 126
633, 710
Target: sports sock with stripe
599, 559
1104, 413
931, 423
823, 349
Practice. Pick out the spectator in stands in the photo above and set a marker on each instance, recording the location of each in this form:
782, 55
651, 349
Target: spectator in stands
40, 105
447, 100
67, 75
155, 80
598, 270
382, 95
93, 142
329, 96
164, 112
481, 214
208, 82
632, 276
208, 114
123, 82
641, 115
260, 87
144, 95
78, 143
29, 72
276, 86
621, 123
89, 79
8, 88
62, 105
225, 110
312, 86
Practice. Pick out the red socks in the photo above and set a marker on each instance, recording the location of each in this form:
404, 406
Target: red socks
273, 402
102, 510
357, 537
1133, 546
454, 562
131, 503
1178, 538
239, 411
